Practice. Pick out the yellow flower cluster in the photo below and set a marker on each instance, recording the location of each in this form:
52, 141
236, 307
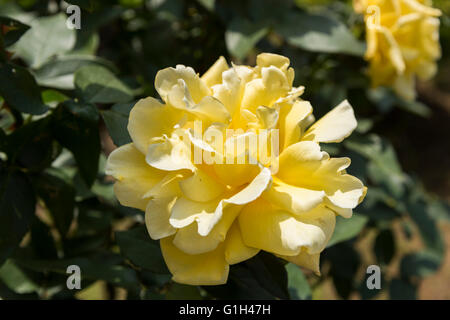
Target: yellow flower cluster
402, 42
212, 214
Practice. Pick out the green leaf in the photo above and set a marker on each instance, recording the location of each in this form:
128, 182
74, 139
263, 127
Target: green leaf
208, 4
31, 146
427, 226
59, 198
420, 264
53, 97
20, 90
93, 218
241, 285
89, 5
383, 168
438, 210
6, 123
385, 99
384, 246
137, 246
97, 84
116, 120
14, 30
95, 267
318, 33
16, 279
242, 35
47, 37
297, 283
347, 229
59, 72
270, 273
17, 206
75, 126
402, 290
8, 294
345, 262
42, 241
178, 291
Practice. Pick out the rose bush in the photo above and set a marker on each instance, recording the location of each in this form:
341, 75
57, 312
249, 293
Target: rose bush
211, 200
208, 216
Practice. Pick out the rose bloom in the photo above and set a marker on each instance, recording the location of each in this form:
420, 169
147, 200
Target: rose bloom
402, 42
211, 214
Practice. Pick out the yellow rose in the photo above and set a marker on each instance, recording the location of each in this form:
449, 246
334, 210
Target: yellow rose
402, 42
210, 196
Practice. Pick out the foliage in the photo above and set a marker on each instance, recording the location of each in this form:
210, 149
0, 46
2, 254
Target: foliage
63, 90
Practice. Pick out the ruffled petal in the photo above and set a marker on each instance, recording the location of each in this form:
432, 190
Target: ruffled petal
279, 232
235, 249
303, 165
293, 199
335, 126
157, 216
264, 91
208, 268
305, 260
201, 187
150, 119
163, 196
272, 59
170, 79
171, 154
229, 92
214, 74
208, 214
190, 241
134, 176
291, 117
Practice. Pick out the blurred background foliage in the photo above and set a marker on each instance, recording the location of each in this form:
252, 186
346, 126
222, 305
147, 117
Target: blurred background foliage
65, 96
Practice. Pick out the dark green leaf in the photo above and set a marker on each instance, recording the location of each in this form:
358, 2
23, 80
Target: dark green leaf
385, 99
270, 273
42, 241
181, 291
347, 228
59, 198
14, 30
344, 261
17, 206
59, 72
96, 267
384, 246
241, 285
97, 84
116, 120
242, 35
75, 126
427, 226
88, 5
319, 33
402, 290
420, 264
31, 146
297, 283
383, 168
19, 89
142, 251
